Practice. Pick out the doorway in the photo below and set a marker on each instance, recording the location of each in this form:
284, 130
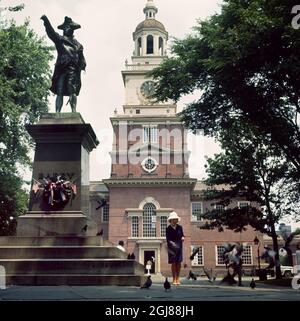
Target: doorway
149, 255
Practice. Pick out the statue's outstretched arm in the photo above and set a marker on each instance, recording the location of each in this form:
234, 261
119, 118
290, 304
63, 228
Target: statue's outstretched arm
49, 29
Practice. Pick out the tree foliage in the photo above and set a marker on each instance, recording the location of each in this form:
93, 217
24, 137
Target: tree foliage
246, 63
24, 82
254, 170
13, 201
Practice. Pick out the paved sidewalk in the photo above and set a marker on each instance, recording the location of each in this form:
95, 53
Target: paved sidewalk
189, 290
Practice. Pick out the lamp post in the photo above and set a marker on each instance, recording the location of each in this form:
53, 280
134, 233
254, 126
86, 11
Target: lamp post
256, 242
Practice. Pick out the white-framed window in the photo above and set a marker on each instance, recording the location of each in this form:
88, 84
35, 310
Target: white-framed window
134, 226
153, 134
105, 213
149, 220
247, 255
146, 134
198, 259
196, 209
163, 225
219, 254
243, 204
150, 134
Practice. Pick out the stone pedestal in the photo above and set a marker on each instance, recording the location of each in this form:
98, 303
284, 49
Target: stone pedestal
63, 143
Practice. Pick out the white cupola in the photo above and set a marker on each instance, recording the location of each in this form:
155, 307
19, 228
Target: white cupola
150, 35
150, 10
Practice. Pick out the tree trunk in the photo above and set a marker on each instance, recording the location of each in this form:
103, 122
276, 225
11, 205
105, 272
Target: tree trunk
276, 249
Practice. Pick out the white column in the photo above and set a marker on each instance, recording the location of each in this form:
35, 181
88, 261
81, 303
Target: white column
156, 44
136, 47
144, 45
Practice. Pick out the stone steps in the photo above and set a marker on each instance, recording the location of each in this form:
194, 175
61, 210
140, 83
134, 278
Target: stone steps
67, 260
75, 279
59, 252
70, 266
53, 241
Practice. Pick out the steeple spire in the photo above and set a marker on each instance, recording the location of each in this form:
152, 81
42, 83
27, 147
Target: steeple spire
150, 9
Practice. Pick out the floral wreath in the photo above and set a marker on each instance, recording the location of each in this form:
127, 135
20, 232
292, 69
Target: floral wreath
57, 191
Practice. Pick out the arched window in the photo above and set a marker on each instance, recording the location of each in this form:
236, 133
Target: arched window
161, 46
149, 220
139, 47
149, 44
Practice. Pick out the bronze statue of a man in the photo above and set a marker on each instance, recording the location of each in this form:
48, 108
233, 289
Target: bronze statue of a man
66, 80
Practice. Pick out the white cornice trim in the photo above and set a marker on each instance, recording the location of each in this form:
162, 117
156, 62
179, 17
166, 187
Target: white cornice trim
134, 212
151, 106
138, 118
165, 120
174, 182
148, 241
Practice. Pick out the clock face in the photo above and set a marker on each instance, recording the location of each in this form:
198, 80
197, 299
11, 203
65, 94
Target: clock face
148, 88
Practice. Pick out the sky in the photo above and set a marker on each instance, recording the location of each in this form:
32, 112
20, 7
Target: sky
106, 34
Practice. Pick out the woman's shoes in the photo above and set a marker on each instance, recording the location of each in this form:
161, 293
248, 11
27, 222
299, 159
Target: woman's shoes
176, 282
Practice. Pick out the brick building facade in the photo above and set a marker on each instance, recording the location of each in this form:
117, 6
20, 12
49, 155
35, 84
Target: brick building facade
149, 172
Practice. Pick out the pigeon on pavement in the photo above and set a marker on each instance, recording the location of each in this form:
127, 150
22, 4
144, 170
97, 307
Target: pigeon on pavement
167, 285
192, 276
210, 275
252, 284
147, 284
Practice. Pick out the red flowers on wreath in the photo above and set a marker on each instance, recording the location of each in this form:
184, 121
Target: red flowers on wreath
58, 191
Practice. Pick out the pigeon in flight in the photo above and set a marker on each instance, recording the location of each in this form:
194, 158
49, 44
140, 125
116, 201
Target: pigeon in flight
167, 285
194, 252
147, 284
269, 255
100, 233
84, 229
101, 203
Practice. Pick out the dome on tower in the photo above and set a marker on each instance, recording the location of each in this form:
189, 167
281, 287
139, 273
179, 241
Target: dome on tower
150, 24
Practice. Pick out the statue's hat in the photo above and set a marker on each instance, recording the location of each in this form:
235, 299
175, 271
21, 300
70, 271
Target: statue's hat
70, 23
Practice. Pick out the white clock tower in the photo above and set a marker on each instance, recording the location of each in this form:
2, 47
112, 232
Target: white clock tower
150, 39
149, 171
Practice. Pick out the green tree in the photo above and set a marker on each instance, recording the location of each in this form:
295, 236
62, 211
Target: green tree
253, 170
24, 82
13, 202
245, 61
